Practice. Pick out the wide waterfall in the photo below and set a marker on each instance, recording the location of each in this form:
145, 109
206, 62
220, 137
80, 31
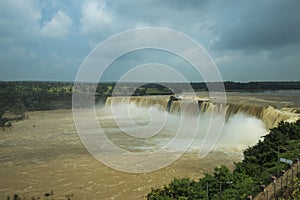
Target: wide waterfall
270, 115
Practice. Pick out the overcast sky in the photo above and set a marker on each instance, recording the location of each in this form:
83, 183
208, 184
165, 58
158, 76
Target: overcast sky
248, 40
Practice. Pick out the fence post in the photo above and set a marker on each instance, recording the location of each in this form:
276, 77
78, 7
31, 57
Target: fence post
274, 190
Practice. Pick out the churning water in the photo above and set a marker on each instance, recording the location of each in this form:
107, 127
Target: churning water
149, 128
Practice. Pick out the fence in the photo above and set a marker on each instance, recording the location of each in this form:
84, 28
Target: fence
270, 192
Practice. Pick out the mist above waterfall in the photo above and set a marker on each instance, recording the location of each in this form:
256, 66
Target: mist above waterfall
240, 131
138, 128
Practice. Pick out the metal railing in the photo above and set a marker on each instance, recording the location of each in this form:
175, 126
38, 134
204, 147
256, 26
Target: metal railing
270, 192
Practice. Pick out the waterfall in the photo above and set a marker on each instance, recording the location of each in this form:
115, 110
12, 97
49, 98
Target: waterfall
139, 100
268, 114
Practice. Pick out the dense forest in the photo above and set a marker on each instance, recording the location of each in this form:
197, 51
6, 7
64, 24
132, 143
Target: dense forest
260, 163
17, 97
248, 86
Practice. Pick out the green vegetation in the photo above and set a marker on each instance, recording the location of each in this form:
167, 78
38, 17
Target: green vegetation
291, 191
259, 164
250, 86
20, 96
47, 195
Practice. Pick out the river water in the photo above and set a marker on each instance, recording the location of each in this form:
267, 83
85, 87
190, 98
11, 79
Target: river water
44, 152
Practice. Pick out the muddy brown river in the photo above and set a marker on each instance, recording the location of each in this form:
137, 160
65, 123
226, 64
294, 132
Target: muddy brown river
44, 154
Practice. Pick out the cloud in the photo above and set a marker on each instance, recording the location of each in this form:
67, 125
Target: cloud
18, 17
262, 26
240, 66
58, 26
18, 9
244, 37
95, 15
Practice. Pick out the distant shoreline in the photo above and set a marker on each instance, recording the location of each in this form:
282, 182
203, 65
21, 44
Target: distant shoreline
18, 97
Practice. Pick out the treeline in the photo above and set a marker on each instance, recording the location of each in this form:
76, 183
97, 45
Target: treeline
260, 163
249, 86
172, 87
16, 97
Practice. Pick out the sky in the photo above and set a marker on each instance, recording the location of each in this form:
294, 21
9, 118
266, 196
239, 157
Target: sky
248, 40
